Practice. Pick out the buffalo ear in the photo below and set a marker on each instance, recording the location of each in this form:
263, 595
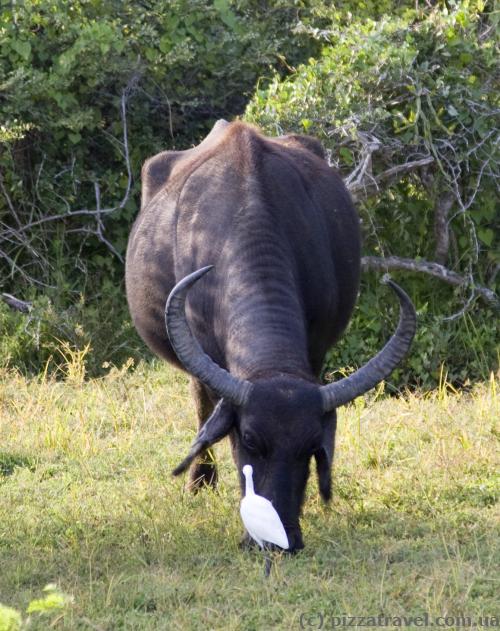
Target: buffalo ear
218, 425
324, 456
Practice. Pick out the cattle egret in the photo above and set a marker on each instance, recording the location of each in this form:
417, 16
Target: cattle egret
259, 516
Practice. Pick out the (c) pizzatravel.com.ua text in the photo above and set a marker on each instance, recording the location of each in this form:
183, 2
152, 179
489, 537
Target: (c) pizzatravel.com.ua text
319, 620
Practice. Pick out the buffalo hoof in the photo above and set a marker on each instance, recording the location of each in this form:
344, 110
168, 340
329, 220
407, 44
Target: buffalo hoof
201, 475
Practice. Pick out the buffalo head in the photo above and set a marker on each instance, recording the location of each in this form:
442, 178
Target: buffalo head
280, 422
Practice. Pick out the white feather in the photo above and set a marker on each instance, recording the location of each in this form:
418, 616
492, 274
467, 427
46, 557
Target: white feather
259, 516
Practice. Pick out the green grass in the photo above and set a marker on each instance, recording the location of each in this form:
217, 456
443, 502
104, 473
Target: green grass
87, 501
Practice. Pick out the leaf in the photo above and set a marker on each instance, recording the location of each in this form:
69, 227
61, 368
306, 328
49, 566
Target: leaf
225, 13
346, 155
10, 619
165, 44
54, 600
486, 235
23, 48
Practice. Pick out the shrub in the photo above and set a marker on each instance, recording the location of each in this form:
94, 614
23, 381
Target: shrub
88, 91
406, 108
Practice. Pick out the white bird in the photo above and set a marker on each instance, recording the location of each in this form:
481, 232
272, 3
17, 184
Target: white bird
260, 517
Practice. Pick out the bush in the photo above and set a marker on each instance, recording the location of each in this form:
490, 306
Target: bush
406, 108
88, 91
98, 330
53, 605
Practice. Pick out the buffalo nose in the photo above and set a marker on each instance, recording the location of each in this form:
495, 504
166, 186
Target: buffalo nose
295, 542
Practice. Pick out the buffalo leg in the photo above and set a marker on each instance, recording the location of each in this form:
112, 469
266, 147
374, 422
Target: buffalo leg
203, 471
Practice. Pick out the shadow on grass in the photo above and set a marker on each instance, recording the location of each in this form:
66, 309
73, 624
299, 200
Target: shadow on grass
10, 461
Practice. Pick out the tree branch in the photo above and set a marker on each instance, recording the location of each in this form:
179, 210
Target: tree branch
364, 185
427, 267
99, 212
441, 227
15, 303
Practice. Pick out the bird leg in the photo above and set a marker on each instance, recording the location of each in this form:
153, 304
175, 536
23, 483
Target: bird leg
267, 565
247, 543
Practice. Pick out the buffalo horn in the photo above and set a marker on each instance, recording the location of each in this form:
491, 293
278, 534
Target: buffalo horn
188, 350
379, 367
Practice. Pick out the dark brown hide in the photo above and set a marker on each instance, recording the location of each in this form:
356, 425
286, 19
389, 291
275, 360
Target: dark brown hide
279, 228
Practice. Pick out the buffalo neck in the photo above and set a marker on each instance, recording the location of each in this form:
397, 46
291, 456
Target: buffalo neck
260, 306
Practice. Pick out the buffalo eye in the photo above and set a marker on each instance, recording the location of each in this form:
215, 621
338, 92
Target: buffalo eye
249, 442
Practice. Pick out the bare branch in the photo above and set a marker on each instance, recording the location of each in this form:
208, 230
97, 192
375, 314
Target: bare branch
463, 310
22, 230
9, 201
363, 187
16, 303
125, 95
441, 227
27, 277
428, 267
100, 224
363, 170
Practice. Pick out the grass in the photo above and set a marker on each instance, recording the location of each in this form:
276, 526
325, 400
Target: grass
87, 501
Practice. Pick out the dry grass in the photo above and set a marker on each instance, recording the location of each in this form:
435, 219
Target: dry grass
87, 501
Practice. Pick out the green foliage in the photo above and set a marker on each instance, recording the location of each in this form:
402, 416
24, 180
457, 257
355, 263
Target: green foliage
10, 619
382, 94
468, 346
422, 85
63, 70
45, 338
53, 602
88, 91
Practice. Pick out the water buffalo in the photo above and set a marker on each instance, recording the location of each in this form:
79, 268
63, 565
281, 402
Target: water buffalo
256, 242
